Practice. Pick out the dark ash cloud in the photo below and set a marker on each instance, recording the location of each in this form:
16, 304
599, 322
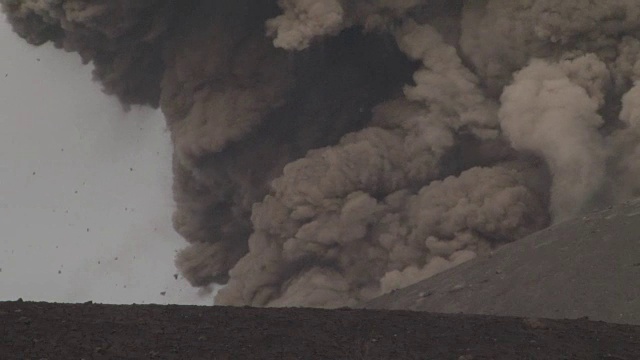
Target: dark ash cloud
328, 151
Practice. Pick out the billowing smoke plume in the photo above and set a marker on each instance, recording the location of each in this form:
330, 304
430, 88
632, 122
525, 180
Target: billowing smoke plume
327, 151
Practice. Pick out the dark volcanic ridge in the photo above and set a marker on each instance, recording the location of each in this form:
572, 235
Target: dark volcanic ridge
93, 331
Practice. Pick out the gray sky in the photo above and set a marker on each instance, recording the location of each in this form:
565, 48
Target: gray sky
82, 183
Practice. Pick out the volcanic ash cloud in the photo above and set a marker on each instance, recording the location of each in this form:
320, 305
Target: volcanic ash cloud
329, 151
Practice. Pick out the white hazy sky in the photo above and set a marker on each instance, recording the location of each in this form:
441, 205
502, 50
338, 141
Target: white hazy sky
85, 201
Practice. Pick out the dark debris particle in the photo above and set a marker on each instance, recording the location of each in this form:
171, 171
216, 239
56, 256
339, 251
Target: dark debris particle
59, 271
175, 276
163, 293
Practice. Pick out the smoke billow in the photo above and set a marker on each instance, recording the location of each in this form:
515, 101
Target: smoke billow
328, 151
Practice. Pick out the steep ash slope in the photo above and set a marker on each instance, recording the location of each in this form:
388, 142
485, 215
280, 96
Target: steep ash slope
588, 266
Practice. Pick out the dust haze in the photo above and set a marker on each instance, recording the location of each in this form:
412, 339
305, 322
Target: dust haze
328, 151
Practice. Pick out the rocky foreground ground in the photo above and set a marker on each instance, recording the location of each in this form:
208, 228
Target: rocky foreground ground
93, 331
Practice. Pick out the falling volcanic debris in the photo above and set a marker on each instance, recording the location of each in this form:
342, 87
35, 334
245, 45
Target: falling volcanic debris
327, 151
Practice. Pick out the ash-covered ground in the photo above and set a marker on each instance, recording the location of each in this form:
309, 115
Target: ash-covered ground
94, 331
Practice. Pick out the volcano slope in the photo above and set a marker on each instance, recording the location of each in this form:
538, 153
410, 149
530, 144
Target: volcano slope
588, 266
92, 331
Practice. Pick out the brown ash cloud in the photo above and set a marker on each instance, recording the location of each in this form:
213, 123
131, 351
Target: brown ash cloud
327, 151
